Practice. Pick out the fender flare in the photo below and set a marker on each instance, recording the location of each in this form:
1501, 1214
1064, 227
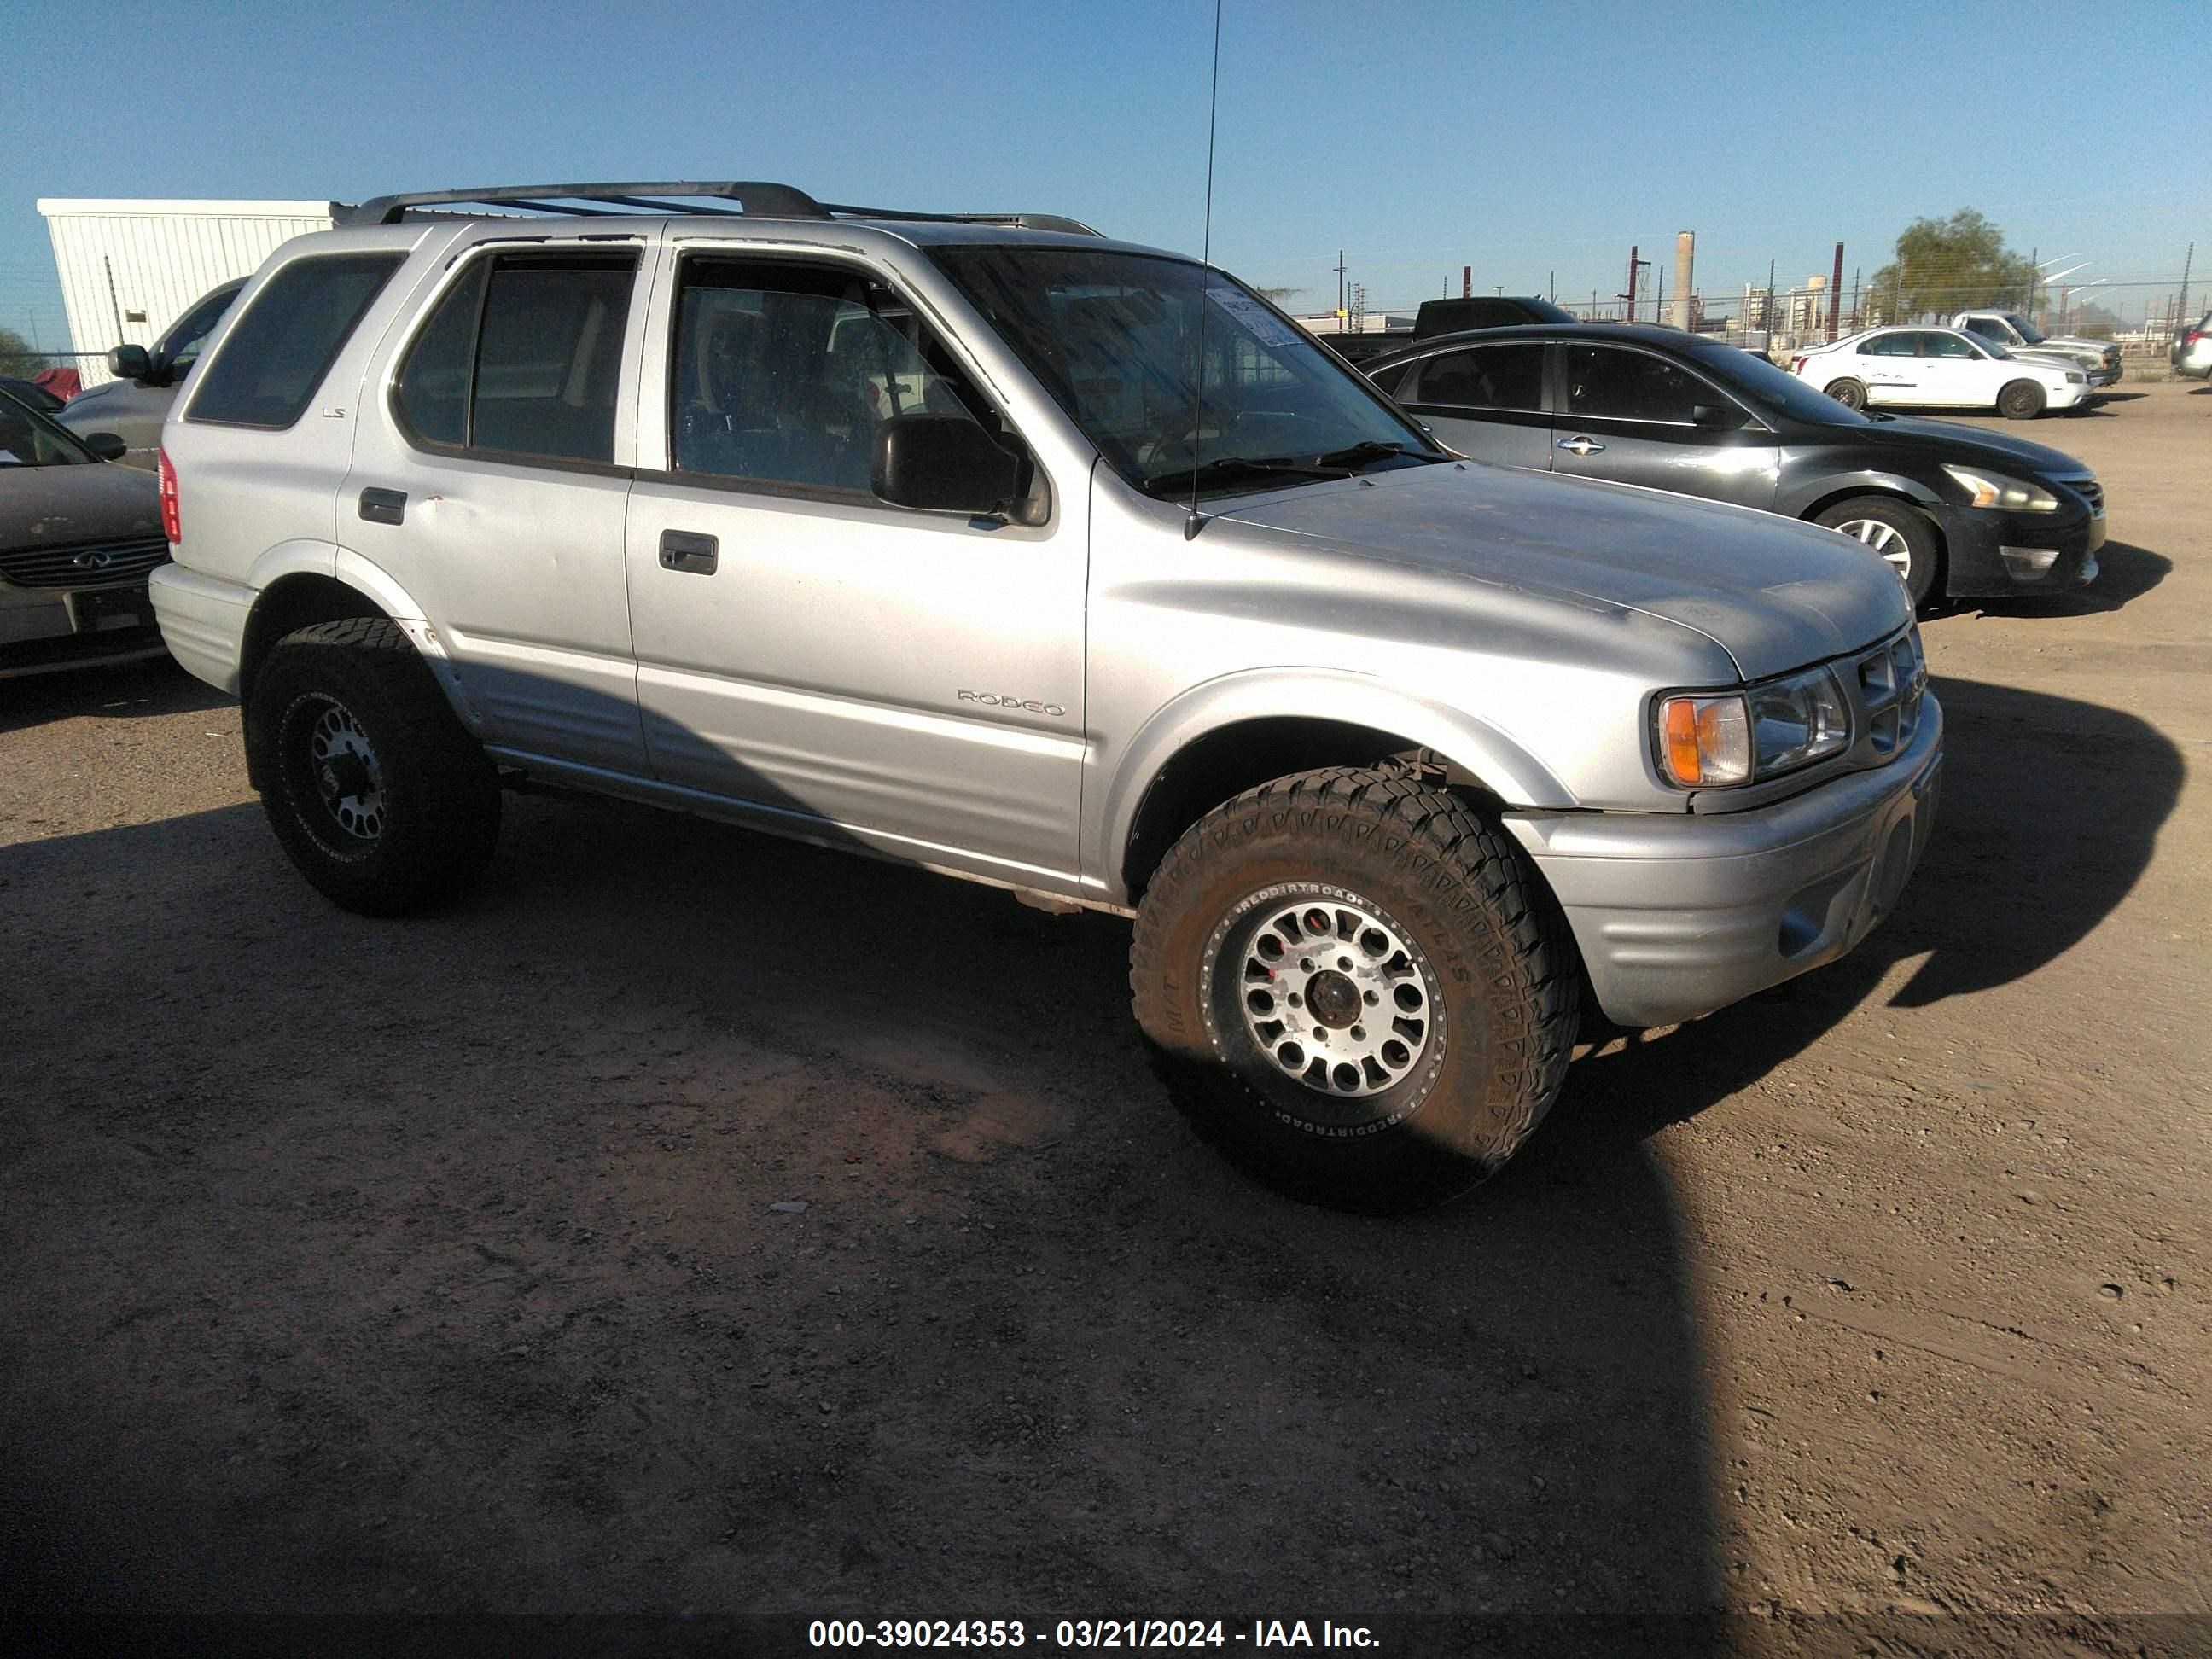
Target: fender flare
1835, 485
344, 565
1501, 764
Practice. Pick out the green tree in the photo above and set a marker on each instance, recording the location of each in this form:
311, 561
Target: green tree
16, 357
1943, 265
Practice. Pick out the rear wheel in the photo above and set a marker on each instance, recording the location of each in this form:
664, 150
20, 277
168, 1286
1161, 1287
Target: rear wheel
1851, 394
1355, 988
2020, 400
375, 792
1903, 535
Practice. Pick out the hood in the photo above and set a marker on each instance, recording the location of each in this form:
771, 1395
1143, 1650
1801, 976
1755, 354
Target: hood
2077, 343
1773, 593
2049, 354
92, 502
1969, 444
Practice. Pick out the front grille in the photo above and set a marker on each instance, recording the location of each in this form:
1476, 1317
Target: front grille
82, 564
1890, 683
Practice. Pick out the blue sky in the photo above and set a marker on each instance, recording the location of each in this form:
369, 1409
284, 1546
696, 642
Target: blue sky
1525, 141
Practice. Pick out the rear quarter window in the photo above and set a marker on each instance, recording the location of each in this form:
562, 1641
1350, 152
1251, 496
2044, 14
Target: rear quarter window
276, 352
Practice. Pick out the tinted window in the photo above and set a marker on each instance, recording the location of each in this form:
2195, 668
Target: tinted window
548, 355
1485, 377
278, 352
1887, 345
1987, 327
1607, 382
433, 395
1947, 345
781, 373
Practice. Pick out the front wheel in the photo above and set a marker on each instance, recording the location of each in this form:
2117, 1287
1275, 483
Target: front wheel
1904, 536
1355, 988
375, 792
2020, 400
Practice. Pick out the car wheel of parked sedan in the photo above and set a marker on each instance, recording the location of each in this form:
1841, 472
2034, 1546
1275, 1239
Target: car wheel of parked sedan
1851, 394
2020, 400
1903, 535
376, 792
1355, 988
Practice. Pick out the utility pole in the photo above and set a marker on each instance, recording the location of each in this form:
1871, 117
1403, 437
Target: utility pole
1634, 264
1339, 288
2181, 306
1835, 292
1466, 282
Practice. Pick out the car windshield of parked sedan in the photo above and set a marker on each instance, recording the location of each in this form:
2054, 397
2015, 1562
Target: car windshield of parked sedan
27, 438
1116, 338
1769, 387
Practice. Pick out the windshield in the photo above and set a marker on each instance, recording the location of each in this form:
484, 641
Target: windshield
1762, 382
2027, 331
1116, 337
27, 438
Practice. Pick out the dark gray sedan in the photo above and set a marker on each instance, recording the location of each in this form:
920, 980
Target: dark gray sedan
78, 534
1957, 511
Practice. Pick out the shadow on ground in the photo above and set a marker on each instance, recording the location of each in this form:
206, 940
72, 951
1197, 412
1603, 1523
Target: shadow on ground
438, 1266
2125, 573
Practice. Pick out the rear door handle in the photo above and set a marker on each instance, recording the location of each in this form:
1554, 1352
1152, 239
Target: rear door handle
384, 506
681, 550
1580, 446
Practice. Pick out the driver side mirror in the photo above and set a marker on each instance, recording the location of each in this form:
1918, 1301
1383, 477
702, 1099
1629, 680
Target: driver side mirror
105, 444
131, 362
1718, 417
943, 464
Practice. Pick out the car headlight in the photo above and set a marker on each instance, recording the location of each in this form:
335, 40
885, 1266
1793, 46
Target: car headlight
1707, 740
1996, 490
2072, 378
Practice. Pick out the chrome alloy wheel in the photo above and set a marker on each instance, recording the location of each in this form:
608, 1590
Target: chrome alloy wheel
348, 777
1886, 540
1331, 990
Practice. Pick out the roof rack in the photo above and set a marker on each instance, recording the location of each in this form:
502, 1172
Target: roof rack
751, 199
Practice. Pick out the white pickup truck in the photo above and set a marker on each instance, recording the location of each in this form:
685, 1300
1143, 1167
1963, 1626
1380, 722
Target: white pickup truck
2099, 359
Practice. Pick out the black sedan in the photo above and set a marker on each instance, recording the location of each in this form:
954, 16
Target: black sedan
78, 534
1958, 511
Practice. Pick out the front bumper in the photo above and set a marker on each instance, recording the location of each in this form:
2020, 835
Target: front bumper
1676, 916
1995, 554
43, 628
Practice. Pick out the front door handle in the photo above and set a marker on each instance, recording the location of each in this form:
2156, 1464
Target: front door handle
681, 550
384, 506
1579, 447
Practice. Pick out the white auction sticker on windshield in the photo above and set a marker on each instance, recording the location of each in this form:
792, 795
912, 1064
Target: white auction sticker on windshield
1267, 328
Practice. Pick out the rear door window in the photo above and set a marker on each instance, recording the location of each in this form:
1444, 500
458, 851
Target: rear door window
522, 356
277, 353
1510, 377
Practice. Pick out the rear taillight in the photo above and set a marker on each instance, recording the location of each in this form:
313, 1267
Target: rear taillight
2194, 335
1797, 362
169, 526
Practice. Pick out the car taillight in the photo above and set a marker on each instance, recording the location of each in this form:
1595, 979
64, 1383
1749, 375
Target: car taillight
2194, 335
169, 524
1797, 362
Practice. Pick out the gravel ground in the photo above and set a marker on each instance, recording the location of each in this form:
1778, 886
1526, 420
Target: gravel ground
629, 1239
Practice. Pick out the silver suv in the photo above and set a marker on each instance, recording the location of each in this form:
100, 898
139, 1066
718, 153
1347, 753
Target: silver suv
986, 545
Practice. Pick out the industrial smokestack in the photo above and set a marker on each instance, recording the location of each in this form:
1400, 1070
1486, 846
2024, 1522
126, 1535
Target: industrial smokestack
1686, 252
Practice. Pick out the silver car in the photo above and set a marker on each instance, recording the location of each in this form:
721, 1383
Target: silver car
2191, 353
136, 401
1067, 566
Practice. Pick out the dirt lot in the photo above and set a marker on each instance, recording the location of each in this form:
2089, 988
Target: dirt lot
455, 1265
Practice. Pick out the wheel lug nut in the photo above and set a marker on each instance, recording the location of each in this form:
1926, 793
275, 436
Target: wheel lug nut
1306, 962
1296, 1001
1359, 1034
1345, 962
1368, 997
1320, 1035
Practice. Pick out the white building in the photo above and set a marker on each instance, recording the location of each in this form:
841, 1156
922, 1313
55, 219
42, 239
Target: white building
130, 268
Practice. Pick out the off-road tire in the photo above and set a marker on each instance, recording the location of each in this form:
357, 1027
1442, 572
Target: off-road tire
2020, 400
437, 799
1851, 394
1505, 970
1923, 546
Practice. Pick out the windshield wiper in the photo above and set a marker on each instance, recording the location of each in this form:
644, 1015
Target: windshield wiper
1225, 467
1370, 449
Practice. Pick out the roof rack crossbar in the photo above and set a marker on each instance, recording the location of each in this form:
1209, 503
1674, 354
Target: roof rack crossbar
758, 198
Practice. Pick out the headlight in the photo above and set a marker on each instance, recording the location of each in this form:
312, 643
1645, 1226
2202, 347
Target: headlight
1995, 490
1742, 737
2073, 379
